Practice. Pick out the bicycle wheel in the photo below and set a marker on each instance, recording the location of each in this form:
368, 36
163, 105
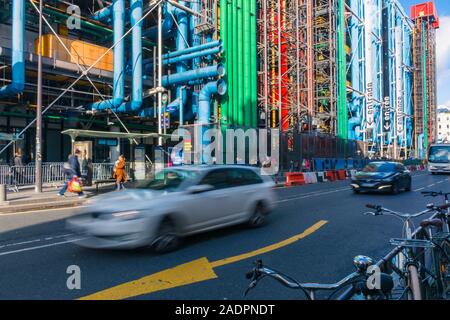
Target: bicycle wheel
415, 292
443, 267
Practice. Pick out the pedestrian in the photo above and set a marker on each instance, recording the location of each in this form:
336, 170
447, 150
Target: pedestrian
18, 168
72, 170
18, 158
84, 166
119, 172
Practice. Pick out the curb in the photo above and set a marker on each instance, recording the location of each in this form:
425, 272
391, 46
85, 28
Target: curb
11, 208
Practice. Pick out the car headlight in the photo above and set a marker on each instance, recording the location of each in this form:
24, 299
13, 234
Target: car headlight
126, 215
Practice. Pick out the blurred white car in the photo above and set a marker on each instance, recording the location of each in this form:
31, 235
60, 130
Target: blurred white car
179, 202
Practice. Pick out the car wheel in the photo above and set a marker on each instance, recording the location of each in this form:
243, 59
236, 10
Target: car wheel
409, 187
258, 217
356, 191
395, 188
167, 239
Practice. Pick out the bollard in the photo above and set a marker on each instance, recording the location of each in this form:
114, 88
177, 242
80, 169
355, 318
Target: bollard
3, 194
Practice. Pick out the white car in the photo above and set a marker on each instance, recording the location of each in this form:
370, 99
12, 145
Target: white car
179, 202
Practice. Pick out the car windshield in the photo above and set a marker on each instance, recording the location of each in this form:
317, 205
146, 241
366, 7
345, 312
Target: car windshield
439, 154
379, 167
172, 180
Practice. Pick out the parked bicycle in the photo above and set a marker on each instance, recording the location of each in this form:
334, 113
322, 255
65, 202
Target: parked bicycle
413, 265
437, 261
356, 285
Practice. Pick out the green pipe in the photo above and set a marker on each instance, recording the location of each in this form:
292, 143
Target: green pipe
246, 103
240, 65
342, 109
425, 97
253, 67
235, 66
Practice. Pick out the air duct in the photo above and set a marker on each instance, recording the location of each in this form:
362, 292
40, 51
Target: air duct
204, 98
18, 57
202, 73
136, 95
119, 83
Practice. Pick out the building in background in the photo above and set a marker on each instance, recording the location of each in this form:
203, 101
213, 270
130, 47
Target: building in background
443, 124
355, 72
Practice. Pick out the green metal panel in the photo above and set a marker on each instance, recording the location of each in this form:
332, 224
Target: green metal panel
342, 108
253, 66
238, 34
246, 65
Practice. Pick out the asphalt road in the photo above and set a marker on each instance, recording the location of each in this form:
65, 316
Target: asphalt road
313, 236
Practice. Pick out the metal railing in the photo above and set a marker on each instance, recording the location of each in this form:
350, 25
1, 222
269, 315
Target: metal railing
52, 174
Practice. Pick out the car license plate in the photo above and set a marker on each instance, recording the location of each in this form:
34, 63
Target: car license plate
368, 185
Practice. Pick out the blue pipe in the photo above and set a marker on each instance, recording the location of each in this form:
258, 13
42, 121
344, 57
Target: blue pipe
149, 66
204, 98
119, 65
208, 45
194, 55
185, 77
181, 43
18, 57
167, 24
136, 95
195, 39
103, 15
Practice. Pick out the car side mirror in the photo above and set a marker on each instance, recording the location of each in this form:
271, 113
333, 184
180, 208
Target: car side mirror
200, 188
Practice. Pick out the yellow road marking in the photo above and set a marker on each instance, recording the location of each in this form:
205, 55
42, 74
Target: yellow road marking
272, 247
192, 272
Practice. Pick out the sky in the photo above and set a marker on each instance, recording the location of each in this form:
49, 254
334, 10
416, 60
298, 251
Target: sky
442, 47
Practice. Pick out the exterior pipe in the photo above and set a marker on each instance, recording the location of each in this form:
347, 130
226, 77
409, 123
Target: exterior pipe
182, 37
185, 77
204, 98
195, 55
177, 53
135, 15
195, 39
103, 15
119, 83
18, 57
167, 24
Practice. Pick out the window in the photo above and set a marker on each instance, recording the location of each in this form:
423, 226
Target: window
216, 178
243, 177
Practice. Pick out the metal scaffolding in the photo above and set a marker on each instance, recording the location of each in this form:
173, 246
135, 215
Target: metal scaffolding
297, 64
424, 55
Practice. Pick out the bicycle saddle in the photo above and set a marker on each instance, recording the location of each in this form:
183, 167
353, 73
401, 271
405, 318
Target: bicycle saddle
437, 223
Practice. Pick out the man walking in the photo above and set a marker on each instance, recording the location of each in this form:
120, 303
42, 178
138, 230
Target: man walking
72, 170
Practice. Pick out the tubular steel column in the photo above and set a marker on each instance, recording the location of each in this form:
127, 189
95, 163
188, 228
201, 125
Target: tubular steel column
38, 160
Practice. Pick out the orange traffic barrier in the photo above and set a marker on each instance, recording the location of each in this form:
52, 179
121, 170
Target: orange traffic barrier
331, 176
294, 178
341, 174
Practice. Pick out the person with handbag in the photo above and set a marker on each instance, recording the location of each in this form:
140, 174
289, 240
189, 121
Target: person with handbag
72, 172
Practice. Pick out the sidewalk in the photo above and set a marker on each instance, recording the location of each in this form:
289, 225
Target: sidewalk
28, 200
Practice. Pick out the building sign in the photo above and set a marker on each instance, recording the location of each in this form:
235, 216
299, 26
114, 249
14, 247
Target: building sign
387, 115
398, 81
399, 115
369, 106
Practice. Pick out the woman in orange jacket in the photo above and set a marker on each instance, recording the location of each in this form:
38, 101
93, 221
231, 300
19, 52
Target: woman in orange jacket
119, 172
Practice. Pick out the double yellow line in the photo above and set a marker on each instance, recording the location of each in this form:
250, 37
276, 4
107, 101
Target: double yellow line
192, 272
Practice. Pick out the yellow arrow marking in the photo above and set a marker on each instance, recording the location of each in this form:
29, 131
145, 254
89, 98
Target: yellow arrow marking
192, 272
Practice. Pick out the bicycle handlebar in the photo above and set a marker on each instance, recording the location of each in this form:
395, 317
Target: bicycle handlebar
379, 211
435, 194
